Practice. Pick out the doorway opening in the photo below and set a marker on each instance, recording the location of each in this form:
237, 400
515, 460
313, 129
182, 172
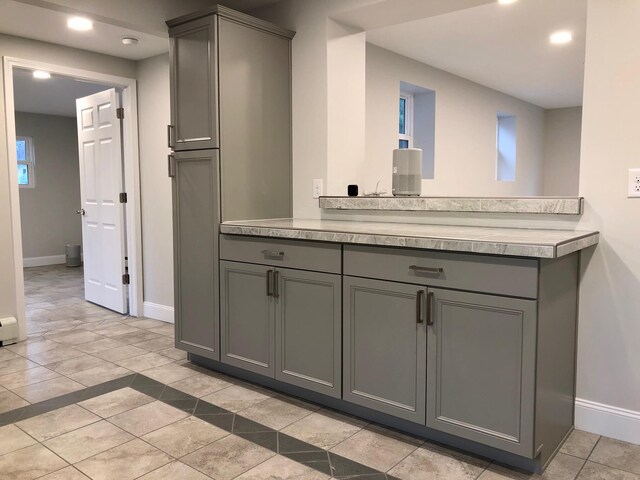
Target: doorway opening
73, 156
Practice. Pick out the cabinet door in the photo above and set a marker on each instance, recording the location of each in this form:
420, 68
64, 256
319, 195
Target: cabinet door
247, 317
385, 347
194, 96
481, 369
195, 222
308, 321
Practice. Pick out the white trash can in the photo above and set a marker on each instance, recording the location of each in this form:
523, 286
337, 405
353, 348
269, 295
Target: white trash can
73, 255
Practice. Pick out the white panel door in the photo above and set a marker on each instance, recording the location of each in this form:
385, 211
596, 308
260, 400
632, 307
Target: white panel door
101, 181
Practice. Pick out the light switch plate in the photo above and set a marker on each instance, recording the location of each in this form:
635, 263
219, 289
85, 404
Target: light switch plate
317, 187
634, 182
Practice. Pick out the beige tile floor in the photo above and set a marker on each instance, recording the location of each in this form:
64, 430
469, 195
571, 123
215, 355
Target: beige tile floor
204, 425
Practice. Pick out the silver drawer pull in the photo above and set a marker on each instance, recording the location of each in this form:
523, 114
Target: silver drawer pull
272, 253
416, 268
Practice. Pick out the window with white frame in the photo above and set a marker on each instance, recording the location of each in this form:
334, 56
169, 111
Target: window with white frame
26, 162
406, 120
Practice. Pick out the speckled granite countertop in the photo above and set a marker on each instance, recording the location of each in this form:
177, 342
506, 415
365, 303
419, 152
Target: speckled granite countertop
539, 205
519, 242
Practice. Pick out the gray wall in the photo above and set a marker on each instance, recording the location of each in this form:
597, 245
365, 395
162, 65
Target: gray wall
562, 138
48, 211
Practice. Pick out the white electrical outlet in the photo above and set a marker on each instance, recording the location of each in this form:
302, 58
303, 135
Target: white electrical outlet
317, 187
634, 182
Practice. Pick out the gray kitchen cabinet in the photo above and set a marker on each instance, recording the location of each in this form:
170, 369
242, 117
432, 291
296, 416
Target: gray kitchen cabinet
195, 241
282, 323
308, 337
193, 80
481, 368
385, 345
231, 89
247, 317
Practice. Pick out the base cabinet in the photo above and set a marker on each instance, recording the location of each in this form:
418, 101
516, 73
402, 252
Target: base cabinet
195, 243
282, 323
481, 368
491, 371
385, 345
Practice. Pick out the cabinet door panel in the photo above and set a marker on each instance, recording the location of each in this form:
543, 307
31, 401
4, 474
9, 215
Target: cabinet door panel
247, 318
195, 220
308, 321
481, 369
384, 348
193, 85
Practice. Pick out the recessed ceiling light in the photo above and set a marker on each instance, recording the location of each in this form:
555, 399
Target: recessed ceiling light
561, 37
506, 2
41, 74
79, 23
130, 41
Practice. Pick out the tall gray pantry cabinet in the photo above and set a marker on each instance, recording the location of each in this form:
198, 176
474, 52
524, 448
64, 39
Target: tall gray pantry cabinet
230, 136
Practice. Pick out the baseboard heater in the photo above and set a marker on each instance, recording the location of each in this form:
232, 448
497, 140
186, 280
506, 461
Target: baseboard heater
8, 331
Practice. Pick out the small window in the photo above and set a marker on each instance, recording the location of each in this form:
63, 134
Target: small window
506, 147
26, 162
406, 120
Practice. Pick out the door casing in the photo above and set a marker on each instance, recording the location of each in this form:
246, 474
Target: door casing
132, 177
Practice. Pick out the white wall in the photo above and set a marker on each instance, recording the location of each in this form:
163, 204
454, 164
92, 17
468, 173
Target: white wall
48, 53
345, 108
310, 80
465, 134
563, 127
157, 234
609, 329
48, 211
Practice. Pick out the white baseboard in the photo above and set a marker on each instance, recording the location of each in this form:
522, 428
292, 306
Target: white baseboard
609, 421
42, 261
158, 312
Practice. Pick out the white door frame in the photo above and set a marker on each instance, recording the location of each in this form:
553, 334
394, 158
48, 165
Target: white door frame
131, 168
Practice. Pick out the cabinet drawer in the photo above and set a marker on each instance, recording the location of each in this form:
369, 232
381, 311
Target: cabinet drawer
303, 255
490, 274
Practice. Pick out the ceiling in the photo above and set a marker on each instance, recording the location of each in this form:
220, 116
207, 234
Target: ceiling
503, 47
54, 96
45, 20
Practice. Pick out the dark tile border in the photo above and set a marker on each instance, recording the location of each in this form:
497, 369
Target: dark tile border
304, 453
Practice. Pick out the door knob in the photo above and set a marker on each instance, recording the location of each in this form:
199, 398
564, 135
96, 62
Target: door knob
80, 212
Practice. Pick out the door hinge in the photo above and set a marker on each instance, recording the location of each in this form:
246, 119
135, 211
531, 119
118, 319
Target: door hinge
123, 197
120, 113
126, 280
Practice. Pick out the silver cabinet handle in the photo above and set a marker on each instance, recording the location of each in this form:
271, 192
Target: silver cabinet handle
276, 285
81, 211
172, 165
419, 298
269, 284
170, 129
272, 253
430, 308
417, 268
